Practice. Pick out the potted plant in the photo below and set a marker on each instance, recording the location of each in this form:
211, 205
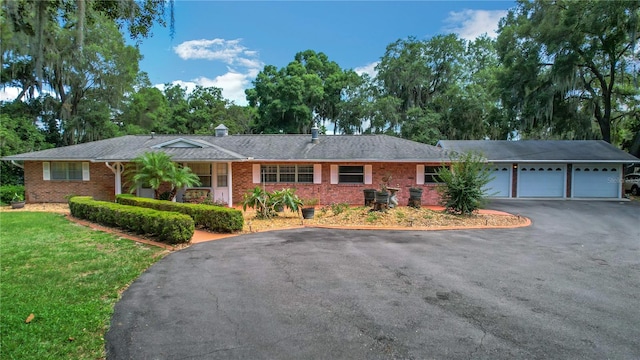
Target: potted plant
18, 201
286, 198
308, 211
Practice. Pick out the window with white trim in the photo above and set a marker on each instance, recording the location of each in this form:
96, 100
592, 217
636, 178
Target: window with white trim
203, 170
431, 174
286, 174
351, 174
66, 171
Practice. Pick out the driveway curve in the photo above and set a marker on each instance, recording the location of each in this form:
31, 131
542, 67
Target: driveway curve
565, 287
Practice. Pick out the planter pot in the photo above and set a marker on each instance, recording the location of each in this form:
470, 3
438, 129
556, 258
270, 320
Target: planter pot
415, 193
308, 213
17, 204
369, 196
382, 197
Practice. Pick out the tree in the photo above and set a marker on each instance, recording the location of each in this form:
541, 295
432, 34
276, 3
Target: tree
146, 110
308, 89
18, 134
153, 169
29, 28
567, 60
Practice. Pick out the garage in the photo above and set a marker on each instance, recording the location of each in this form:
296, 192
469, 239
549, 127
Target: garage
550, 169
500, 184
541, 180
596, 181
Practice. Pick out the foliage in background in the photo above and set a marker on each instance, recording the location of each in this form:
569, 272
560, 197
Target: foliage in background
558, 70
462, 185
69, 277
7, 192
571, 69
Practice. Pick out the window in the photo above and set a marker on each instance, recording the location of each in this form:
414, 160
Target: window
203, 170
221, 175
351, 174
431, 175
66, 171
286, 173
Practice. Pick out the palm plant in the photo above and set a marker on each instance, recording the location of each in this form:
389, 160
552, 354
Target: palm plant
156, 168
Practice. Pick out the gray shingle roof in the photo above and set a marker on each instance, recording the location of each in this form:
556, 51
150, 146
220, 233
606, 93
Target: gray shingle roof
542, 150
247, 147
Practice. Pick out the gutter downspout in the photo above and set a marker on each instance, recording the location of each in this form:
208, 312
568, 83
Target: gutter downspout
18, 165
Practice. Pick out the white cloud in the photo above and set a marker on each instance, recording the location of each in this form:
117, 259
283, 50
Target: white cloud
9, 93
243, 66
369, 69
469, 24
227, 51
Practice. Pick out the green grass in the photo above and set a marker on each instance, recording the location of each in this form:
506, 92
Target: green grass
69, 277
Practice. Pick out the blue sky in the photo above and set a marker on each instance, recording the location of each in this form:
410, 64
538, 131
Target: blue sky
225, 44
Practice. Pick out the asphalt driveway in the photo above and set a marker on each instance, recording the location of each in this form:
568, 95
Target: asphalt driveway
567, 287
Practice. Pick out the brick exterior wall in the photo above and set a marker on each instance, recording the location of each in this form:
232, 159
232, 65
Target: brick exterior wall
101, 185
403, 177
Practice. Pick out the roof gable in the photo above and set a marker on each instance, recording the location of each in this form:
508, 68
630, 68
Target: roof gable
182, 143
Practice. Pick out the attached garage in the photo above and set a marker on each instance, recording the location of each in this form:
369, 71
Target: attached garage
596, 181
541, 180
500, 185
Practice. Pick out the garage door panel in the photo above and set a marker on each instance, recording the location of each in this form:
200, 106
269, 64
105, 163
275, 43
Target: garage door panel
500, 185
541, 180
596, 181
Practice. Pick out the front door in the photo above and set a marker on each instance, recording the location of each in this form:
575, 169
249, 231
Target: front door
221, 186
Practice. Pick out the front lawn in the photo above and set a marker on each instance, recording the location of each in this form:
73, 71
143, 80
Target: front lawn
69, 277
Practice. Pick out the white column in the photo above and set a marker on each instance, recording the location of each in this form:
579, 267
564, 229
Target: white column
229, 184
118, 178
117, 168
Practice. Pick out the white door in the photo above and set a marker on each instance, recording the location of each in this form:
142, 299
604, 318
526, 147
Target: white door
541, 180
596, 181
221, 188
500, 185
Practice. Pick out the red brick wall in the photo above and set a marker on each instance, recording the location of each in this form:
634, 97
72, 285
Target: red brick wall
403, 177
101, 185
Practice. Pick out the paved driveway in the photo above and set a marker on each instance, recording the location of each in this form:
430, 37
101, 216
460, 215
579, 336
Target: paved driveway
567, 287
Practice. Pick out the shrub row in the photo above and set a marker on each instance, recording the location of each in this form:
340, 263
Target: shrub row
215, 218
7, 192
166, 226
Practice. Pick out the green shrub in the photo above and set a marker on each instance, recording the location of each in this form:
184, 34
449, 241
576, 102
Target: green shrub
7, 192
338, 209
463, 183
215, 218
166, 226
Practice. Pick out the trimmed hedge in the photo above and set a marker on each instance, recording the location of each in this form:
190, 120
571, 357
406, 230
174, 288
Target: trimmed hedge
215, 218
170, 227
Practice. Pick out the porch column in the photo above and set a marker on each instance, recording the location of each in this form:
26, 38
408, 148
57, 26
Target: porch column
229, 184
116, 168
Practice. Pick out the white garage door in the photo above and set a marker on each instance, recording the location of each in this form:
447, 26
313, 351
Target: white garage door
541, 180
500, 185
596, 181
